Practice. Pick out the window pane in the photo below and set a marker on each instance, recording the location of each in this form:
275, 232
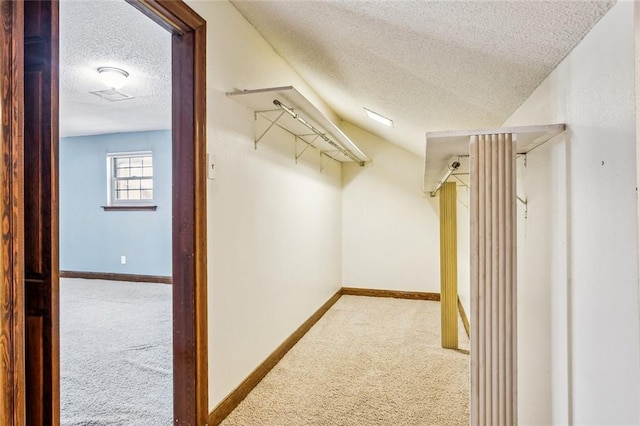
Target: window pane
122, 162
122, 172
131, 177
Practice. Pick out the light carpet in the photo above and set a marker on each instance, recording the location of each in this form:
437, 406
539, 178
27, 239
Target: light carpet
368, 361
115, 353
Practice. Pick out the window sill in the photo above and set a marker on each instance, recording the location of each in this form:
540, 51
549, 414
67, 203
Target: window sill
128, 208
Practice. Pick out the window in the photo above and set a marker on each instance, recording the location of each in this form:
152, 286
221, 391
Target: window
130, 176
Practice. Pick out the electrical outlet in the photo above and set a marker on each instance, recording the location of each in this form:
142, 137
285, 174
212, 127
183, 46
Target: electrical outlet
123, 260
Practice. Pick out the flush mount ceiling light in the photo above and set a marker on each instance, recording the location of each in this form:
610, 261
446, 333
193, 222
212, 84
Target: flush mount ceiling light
379, 118
113, 78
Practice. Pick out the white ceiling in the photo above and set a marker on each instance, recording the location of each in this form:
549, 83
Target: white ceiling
428, 65
112, 33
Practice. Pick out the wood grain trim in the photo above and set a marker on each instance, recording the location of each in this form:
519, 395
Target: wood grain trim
465, 319
12, 317
231, 402
54, 218
414, 295
190, 363
110, 276
174, 16
200, 215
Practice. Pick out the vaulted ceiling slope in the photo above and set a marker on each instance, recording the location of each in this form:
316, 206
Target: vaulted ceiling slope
427, 65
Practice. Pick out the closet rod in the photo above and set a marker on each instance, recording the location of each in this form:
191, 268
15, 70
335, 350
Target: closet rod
296, 116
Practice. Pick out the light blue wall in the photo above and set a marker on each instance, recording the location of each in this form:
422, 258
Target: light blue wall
91, 239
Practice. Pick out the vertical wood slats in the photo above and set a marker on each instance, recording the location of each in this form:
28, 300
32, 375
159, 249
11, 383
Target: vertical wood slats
448, 266
493, 280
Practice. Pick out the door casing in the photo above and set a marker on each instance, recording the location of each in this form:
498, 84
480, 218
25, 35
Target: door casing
188, 226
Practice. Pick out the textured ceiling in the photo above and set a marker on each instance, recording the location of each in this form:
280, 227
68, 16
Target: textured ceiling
112, 33
428, 65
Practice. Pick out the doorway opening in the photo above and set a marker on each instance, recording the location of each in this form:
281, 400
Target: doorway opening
29, 61
115, 216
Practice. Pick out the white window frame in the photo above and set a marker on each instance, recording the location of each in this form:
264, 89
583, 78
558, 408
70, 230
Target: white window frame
112, 201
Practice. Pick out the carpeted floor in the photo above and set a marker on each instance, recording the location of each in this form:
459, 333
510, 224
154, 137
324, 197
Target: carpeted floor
115, 353
368, 361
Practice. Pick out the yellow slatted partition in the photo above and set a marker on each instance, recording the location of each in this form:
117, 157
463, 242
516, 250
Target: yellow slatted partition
448, 266
493, 280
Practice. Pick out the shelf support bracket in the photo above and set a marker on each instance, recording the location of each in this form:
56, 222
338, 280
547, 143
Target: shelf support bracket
307, 145
322, 163
524, 203
273, 123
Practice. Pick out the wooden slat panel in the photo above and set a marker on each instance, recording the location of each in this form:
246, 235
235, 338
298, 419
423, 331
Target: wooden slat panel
476, 261
493, 280
448, 266
511, 350
495, 264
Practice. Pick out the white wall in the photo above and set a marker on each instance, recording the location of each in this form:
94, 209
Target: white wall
390, 231
578, 334
542, 286
273, 226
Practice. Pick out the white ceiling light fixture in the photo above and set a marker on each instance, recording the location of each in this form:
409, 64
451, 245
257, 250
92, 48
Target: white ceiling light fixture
113, 78
379, 118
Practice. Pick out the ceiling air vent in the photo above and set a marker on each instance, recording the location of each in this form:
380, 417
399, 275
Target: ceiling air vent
111, 95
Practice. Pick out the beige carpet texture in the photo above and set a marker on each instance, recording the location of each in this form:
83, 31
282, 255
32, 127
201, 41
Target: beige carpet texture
368, 361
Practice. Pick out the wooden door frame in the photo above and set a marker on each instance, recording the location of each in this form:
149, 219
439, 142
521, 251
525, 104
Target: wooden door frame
189, 210
12, 313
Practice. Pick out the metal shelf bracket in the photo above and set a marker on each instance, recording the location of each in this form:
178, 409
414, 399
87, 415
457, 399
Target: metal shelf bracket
524, 203
307, 144
289, 110
273, 123
322, 163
